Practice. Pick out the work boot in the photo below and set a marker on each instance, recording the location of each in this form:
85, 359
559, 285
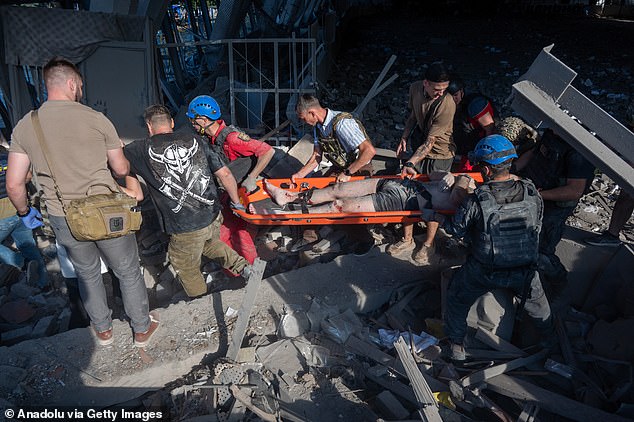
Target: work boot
401, 247
143, 339
458, 353
424, 255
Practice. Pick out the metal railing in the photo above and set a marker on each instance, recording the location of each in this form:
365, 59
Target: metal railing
264, 76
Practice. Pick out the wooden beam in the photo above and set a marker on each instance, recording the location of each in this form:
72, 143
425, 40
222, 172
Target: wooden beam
372, 92
497, 343
485, 374
253, 285
396, 387
426, 402
548, 400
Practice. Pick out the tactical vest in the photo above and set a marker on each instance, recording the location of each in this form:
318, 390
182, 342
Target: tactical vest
510, 237
332, 148
219, 143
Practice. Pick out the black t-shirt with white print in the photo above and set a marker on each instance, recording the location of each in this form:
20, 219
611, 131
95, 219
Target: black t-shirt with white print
178, 169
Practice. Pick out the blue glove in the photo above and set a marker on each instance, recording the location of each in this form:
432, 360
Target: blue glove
33, 219
238, 206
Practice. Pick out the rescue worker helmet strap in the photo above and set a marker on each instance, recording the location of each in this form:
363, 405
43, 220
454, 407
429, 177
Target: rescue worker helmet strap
203, 105
494, 149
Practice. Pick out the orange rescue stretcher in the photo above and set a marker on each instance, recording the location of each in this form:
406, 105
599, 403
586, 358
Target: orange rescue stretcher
325, 218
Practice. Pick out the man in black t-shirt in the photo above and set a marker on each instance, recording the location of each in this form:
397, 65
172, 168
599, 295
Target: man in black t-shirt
562, 176
179, 169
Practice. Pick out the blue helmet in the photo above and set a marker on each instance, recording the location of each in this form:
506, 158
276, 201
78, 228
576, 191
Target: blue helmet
494, 149
203, 105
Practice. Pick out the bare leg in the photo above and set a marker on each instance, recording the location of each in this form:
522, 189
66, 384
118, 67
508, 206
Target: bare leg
280, 196
330, 193
408, 232
362, 204
352, 189
432, 229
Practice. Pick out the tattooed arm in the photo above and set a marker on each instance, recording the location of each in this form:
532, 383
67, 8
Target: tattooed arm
418, 156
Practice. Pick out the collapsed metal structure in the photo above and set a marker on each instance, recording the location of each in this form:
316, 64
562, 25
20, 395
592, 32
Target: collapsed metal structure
543, 95
254, 58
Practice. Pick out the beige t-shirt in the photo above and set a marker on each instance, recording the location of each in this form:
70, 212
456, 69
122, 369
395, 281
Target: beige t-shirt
441, 121
77, 138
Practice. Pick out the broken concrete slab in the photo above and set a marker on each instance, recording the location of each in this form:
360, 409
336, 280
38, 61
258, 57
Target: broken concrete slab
294, 160
43, 327
17, 311
14, 336
23, 290
362, 284
281, 356
390, 406
523, 390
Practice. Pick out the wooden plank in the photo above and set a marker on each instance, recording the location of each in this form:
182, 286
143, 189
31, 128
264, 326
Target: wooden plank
548, 400
484, 374
396, 387
529, 413
370, 351
427, 404
372, 92
246, 400
497, 343
275, 131
253, 285
480, 354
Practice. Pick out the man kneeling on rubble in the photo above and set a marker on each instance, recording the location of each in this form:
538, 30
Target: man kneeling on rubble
442, 192
501, 222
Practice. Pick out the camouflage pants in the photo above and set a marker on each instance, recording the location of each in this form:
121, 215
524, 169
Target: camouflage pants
185, 251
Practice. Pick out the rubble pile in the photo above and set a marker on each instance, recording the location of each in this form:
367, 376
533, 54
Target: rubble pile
595, 208
323, 364
27, 311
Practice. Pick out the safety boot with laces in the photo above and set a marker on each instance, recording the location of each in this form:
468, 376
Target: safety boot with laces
402, 246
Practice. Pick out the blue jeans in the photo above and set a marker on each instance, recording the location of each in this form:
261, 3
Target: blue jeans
23, 238
472, 280
122, 256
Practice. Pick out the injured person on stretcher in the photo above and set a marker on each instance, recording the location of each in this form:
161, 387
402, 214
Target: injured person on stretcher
443, 192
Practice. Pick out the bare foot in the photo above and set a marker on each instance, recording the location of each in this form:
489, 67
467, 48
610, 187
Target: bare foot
280, 196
